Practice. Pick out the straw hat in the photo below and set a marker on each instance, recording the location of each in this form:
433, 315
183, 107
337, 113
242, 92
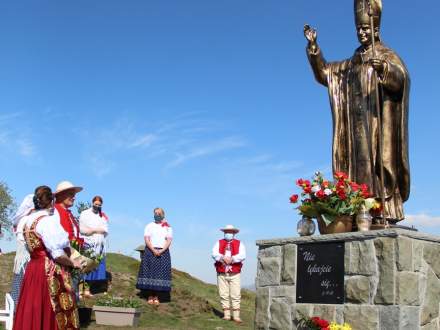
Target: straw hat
230, 229
67, 185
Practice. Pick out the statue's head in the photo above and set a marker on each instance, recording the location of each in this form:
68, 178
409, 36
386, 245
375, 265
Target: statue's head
362, 19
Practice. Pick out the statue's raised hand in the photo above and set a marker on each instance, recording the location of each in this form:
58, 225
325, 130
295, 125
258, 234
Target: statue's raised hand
310, 34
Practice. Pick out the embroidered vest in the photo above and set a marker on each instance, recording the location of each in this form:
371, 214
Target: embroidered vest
234, 245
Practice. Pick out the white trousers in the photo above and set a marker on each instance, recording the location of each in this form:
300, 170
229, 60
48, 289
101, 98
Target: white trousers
229, 289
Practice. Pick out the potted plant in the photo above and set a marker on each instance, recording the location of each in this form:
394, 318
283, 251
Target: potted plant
333, 203
117, 311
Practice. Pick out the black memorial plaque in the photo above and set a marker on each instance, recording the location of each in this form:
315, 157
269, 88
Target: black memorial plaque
320, 273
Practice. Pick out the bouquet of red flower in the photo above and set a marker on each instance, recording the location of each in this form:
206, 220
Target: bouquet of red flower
314, 323
329, 199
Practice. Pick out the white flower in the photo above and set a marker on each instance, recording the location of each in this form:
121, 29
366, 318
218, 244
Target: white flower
369, 203
328, 192
316, 188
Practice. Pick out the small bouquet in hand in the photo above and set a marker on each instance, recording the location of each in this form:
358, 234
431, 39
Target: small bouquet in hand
86, 255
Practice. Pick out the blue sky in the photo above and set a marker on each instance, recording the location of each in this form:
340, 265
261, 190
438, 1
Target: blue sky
206, 108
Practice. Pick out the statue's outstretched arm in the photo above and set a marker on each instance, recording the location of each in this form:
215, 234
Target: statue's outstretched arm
314, 54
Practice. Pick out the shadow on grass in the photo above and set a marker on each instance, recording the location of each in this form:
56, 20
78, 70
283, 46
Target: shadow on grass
217, 313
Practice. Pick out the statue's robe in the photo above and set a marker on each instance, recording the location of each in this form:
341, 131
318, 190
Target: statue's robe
352, 91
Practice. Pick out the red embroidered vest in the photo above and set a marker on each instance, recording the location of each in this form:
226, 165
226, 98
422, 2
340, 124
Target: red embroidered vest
234, 246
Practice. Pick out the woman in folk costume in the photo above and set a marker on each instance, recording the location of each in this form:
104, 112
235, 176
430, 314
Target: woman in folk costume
22, 256
155, 269
47, 301
229, 254
64, 200
93, 225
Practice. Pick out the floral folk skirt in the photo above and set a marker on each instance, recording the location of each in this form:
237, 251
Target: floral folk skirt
155, 272
46, 301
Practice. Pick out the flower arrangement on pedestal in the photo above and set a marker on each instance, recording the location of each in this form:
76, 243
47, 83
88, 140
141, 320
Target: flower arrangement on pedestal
329, 200
316, 323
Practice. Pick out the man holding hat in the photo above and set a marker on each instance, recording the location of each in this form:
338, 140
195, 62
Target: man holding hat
229, 254
64, 200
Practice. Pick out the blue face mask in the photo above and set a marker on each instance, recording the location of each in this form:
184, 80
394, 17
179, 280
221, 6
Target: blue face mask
229, 236
158, 218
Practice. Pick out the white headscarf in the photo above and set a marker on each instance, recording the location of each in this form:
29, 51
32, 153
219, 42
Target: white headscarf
24, 209
22, 254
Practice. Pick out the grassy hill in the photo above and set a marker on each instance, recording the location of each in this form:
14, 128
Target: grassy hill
194, 304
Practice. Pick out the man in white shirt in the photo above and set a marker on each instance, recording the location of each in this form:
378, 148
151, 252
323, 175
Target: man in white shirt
229, 254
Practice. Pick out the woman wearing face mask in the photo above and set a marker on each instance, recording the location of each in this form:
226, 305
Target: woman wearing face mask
155, 269
93, 225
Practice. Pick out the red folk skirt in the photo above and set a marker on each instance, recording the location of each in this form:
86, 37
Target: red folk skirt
34, 310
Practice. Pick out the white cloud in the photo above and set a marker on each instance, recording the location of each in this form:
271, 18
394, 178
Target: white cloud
7, 117
224, 144
3, 137
14, 139
144, 141
421, 220
100, 165
172, 142
26, 148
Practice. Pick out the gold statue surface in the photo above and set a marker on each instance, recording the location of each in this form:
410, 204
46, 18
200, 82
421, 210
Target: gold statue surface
369, 96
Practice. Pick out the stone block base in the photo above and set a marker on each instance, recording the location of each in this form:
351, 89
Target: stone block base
391, 281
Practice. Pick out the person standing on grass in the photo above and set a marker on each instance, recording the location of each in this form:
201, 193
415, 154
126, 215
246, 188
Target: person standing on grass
229, 254
155, 269
93, 224
22, 255
64, 200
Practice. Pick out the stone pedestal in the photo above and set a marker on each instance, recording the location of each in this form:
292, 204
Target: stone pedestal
391, 281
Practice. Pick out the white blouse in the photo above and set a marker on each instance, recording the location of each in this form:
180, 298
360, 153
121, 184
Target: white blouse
92, 220
49, 228
158, 234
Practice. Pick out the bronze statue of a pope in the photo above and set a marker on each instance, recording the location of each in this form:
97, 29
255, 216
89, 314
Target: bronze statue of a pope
369, 96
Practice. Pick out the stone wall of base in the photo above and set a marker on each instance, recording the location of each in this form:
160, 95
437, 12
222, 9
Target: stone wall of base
391, 281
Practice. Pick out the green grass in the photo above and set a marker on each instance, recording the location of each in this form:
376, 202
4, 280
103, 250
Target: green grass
194, 304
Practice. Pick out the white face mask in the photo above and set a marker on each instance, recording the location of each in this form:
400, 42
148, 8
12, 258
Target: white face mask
229, 236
